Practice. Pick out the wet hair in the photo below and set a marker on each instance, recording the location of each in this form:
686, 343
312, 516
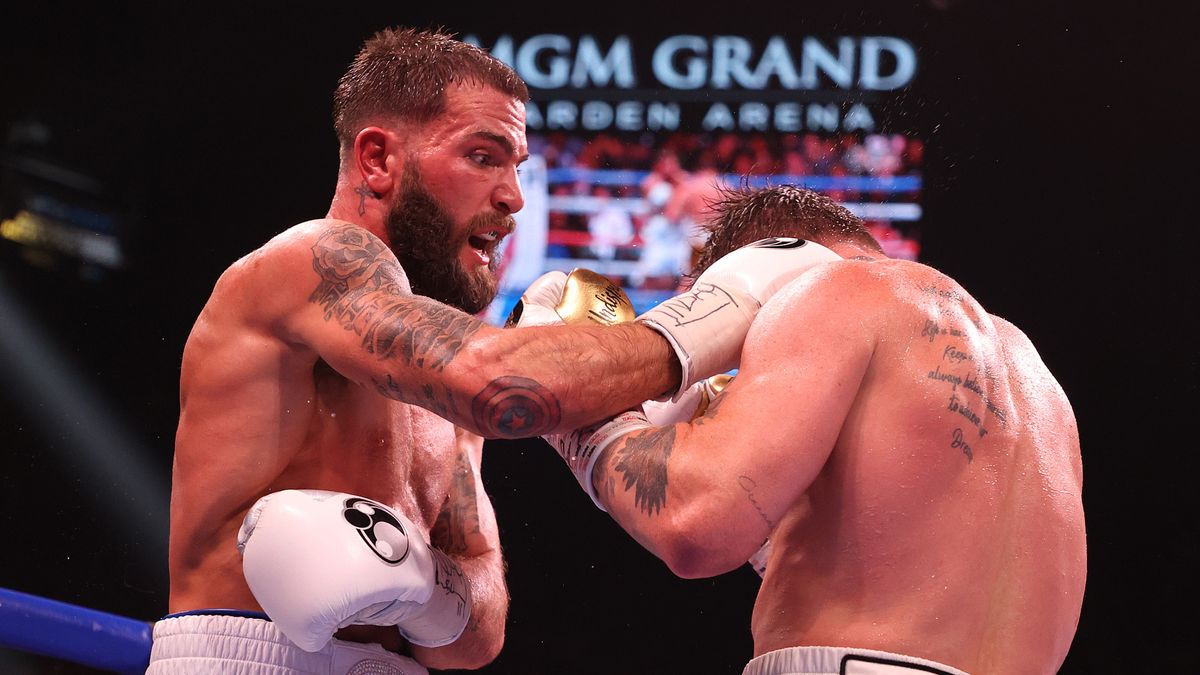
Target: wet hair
743, 215
404, 73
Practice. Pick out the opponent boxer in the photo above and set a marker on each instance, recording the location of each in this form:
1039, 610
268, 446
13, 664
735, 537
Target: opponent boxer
911, 461
335, 389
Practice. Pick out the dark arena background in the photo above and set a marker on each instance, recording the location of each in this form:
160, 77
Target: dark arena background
1037, 152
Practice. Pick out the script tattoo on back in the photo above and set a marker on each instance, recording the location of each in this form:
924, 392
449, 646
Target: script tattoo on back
643, 461
361, 290
967, 376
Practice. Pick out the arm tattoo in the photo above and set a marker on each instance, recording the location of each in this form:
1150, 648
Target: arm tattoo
747, 484
458, 521
643, 460
361, 289
515, 407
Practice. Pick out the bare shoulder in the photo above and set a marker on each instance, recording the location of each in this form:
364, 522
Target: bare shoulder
299, 245
829, 302
834, 284
276, 255
1025, 355
1011, 334
300, 261
881, 297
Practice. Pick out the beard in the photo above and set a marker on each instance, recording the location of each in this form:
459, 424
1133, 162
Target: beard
424, 241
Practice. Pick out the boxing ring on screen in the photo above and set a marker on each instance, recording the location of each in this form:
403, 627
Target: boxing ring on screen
68, 632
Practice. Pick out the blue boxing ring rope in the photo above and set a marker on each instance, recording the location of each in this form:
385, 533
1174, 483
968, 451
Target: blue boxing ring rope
72, 633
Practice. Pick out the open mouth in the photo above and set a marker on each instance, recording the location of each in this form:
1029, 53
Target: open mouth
484, 242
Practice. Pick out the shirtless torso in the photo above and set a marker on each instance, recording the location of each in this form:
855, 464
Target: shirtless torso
947, 521
912, 460
313, 366
260, 413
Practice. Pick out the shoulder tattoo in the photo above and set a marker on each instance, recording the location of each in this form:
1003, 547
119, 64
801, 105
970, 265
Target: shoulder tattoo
363, 289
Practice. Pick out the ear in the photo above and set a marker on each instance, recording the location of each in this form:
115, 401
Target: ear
377, 158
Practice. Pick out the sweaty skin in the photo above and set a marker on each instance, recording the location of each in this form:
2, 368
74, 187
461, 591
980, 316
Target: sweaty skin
912, 460
313, 366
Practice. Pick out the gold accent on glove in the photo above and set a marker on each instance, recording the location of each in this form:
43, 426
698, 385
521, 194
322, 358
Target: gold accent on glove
589, 296
712, 386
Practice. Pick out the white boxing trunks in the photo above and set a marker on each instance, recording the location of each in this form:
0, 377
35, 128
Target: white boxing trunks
841, 661
247, 643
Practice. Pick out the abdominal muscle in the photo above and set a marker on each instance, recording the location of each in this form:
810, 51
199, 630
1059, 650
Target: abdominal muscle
328, 434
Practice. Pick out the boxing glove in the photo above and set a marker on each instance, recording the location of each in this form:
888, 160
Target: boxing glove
707, 325
318, 561
692, 404
581, 449
581, 297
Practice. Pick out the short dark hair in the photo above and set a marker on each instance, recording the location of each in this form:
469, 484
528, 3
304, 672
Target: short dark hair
743, 215
404, 73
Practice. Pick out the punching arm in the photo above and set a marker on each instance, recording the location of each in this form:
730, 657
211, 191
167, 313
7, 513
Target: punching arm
360, 316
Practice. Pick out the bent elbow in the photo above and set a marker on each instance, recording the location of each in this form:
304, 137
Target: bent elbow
694, 563
490, 649
482, 656
476, 653
688, 564
696, 553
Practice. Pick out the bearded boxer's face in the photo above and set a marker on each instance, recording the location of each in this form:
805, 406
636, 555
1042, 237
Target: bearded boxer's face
454, 265
457, 191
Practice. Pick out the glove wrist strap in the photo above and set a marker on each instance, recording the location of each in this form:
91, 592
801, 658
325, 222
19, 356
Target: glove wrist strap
581, 449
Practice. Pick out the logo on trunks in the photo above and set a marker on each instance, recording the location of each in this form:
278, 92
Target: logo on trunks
779, 242
379, 528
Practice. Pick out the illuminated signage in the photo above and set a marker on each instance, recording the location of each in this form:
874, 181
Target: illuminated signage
724, 82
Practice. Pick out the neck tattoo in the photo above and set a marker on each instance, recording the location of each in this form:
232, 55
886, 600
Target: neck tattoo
363, 192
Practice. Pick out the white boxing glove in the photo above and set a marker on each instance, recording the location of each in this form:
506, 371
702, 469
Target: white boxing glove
582, 297
707, 325
692, 404
318, 561
581, 449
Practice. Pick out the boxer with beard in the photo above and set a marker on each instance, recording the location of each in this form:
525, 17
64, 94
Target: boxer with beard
423, 240
327, 513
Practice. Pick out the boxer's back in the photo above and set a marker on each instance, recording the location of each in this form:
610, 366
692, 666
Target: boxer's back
947, 522
260, 413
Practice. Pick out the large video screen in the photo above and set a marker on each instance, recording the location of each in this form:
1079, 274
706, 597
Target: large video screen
633, 208
630, 142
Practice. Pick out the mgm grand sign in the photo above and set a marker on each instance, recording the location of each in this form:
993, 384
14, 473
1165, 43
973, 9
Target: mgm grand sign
718, 83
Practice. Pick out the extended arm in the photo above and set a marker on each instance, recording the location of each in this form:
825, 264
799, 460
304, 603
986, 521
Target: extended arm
466, 531
703, 495
359, 316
